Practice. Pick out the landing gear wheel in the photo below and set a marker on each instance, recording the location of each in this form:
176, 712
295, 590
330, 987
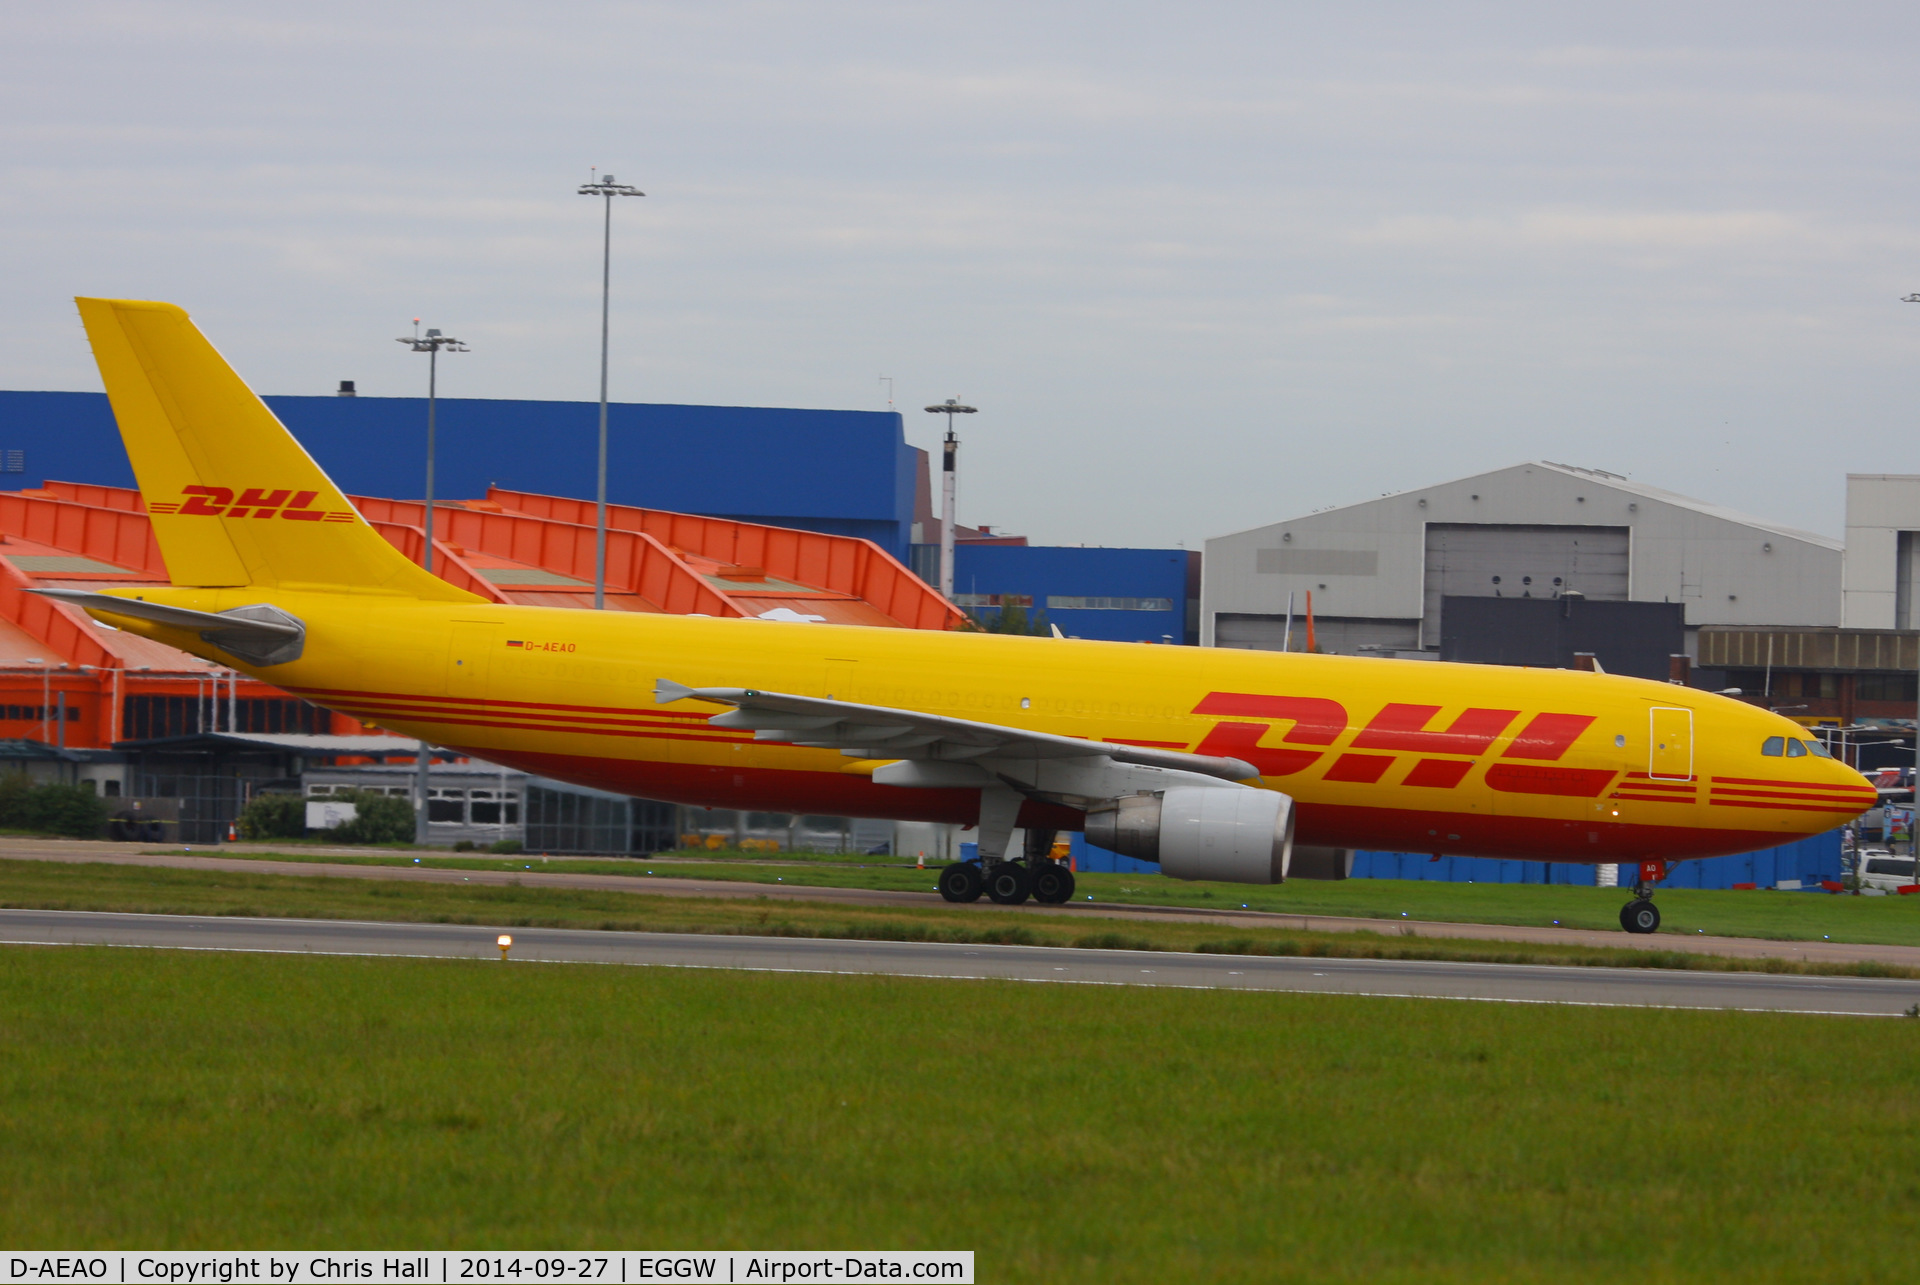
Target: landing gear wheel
1009, 884
1052, 883
962, 881
1640, 916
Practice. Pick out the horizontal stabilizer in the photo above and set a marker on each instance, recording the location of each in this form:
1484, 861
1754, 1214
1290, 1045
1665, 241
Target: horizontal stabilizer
259, 634
666, 691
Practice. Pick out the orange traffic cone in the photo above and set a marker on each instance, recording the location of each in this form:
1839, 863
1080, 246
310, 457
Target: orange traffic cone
233, 833
920, 862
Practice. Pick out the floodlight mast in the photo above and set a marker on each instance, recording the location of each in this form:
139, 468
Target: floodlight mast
949, 461
1913, 842
430, 343
604, 187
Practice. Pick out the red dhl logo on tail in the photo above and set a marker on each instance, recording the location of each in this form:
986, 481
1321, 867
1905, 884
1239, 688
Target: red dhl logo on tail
254, 502
1317, 721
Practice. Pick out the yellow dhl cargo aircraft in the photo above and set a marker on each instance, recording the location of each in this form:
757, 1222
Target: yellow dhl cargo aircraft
1212, 763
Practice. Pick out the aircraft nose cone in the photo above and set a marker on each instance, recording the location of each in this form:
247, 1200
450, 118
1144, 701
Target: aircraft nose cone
1854, 792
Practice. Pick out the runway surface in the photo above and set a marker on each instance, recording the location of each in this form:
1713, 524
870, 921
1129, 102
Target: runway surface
1411, 978
84, 851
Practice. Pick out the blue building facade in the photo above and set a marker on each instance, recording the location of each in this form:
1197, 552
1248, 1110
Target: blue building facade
1808, 862
841, 472
1119, 595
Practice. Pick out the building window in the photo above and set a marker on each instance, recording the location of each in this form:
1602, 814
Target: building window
484, 807
1886, 687
447, 807
993, 600
40, 713
1057, 603
146, 718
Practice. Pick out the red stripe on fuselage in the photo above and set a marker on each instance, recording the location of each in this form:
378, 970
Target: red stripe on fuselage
1844, 799
1842, 810
479, 702
550, 722
1570, 782
1789, 785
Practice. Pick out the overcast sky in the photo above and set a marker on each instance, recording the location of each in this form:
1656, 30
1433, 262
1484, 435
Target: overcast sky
1201, 266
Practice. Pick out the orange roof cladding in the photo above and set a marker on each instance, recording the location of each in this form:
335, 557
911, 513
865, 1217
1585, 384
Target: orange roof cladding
539, 550
511, 547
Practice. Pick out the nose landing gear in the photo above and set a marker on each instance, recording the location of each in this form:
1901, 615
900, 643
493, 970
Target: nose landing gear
1640, 915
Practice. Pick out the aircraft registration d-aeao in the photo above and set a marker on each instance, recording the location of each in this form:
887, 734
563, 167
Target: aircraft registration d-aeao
1212, 763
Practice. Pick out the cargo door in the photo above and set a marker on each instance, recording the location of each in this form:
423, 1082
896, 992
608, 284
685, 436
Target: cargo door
1670, 745
470, 657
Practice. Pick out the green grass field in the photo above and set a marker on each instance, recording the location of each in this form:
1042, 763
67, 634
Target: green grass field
40, 885
1065, 1133
1786, 916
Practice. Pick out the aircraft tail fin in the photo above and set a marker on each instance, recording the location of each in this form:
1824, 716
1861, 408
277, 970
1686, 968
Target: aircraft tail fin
234, 499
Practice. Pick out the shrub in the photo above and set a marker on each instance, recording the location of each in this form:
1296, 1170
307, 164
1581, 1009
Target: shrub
14, 788
273, 816
507, 847
464, 845
69, 810
378, 818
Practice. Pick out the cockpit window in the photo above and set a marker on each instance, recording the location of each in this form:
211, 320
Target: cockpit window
1774, 746
1796, 749
1818, 750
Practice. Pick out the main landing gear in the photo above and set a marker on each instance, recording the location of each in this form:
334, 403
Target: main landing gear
1009, 883
1640, 915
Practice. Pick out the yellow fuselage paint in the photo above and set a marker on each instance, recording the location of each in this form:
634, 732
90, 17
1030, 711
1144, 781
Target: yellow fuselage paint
1396, 755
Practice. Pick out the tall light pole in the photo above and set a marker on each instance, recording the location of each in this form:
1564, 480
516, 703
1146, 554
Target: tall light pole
431, 343
948, 459
1913, 826
607, 188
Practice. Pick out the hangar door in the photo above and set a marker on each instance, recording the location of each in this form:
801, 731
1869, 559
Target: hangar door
1488, 560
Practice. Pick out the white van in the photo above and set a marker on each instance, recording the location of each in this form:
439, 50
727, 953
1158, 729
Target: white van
1881, 869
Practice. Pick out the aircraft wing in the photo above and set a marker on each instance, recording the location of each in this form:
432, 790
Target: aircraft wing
882, 732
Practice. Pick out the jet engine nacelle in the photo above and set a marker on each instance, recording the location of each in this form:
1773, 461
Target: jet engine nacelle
1196, 832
